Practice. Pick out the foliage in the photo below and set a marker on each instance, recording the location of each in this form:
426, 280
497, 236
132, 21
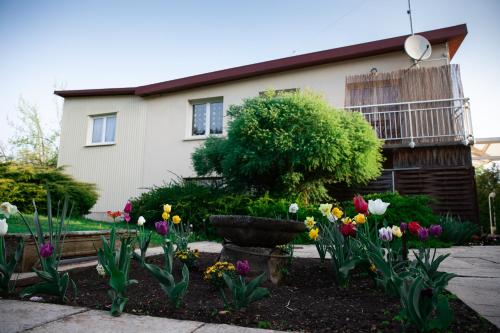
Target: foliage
143, 239
424, 308
487, 181
7, 266
33, 142
456, 231
21, 184
175, 291
116, 264
49, 252
403, 208
242, 293
214, 273
291, 143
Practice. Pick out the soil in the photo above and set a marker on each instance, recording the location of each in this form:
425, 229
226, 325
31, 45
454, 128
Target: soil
307, 301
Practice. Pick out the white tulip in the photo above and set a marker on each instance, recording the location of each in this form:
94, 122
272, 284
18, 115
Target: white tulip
140, 221
3, 227
8, 209
377, 207
294, 208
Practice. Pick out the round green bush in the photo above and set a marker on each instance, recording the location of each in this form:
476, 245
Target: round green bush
291, 143
20, 184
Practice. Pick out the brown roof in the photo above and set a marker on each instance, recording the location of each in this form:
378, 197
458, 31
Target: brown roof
453, 35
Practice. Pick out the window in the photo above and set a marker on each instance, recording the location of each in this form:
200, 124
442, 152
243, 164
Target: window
103, 129
207, 118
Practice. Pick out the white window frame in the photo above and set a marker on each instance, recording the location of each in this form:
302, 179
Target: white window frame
90, 129
207, 102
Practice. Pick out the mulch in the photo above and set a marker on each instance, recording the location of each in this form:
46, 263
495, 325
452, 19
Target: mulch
307, 300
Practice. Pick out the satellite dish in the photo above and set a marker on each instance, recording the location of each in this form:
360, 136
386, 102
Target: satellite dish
418, 47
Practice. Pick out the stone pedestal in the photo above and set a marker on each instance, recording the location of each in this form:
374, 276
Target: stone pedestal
261, 259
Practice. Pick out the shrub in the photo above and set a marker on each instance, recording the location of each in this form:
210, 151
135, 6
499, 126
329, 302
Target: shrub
456, 231
21, 184
487, 181
403, 208
291, 143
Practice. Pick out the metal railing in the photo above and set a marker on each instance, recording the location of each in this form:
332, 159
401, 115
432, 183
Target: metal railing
432, 121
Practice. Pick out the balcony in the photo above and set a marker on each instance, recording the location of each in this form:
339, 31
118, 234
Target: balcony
420, 123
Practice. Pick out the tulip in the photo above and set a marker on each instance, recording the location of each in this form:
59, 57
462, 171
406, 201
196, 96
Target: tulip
423, 234
403, 226
126, 217
165, 216
3, 227
414, 227
176, 219
377, 207
128, 207
293, 209
360, 218
331, 218
140, 221
167, 208
360, 205
385, 234
309, 222
435, 230
396, 231
46, 250
337, 212
325, 209
242, 267
314, 233
161, 227
348, 229
8, 209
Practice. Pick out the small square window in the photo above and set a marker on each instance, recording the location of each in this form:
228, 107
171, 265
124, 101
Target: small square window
207, 118
103, 129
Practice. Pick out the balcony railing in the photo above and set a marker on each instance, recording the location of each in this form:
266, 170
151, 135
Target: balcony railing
420, 122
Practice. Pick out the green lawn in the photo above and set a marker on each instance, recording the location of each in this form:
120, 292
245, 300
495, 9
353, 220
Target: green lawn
16, 225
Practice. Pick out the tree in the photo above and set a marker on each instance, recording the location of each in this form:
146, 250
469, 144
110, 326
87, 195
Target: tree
487, 181
33, 143
291, 143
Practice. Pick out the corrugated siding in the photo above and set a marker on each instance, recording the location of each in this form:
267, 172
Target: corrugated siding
117, 169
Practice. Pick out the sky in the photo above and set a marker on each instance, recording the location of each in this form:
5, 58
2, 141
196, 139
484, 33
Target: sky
97, 44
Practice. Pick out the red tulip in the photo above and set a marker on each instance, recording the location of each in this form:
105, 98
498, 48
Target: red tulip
360, 205
414, 227
128, 207
348, 229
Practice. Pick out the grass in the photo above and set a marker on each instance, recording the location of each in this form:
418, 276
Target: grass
16, 225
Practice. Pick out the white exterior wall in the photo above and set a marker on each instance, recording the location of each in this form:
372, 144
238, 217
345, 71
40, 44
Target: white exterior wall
152, 133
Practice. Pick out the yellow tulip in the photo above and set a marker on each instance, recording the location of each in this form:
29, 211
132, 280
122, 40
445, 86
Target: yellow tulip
346, 220
314, 233
396, 231
165, 216
337, 212
176, 219
167, 208
360, 219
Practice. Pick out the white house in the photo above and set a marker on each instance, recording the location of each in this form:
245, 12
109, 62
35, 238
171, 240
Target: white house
128, 139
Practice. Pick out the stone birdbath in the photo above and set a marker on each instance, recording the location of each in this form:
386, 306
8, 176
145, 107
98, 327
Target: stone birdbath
256, 239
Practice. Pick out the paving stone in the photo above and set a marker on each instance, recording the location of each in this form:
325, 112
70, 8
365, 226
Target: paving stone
218, 328
103, 322
17, 316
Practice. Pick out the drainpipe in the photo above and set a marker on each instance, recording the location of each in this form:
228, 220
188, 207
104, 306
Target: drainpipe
493, 222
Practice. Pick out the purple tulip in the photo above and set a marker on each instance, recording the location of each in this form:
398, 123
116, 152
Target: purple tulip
385, 234
435, 230
161, 228
423, 234
46, 250
128, 207
403, 226
242, 267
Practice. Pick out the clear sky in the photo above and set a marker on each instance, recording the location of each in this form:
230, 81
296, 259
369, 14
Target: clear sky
116, 43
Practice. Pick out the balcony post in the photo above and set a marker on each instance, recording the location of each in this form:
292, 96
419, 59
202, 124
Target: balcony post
412, 143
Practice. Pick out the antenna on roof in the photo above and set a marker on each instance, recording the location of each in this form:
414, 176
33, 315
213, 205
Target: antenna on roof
417, 47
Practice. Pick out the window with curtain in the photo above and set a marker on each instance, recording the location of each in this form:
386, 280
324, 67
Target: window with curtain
207, 118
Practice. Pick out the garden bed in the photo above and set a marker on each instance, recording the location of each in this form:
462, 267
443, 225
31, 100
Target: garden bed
307, 300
